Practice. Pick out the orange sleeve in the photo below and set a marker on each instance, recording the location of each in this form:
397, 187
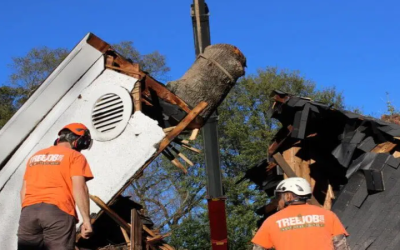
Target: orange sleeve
80, 167
263, 236
26, 175
338, 227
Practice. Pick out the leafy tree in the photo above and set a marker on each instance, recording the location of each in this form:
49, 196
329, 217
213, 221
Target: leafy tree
153, 63
192, 233
31, 70
8, 97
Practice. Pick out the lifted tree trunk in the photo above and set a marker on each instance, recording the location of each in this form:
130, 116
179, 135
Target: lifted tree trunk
211, 77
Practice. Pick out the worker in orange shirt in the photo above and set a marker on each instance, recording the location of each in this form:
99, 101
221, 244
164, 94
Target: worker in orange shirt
298, 225
54, 182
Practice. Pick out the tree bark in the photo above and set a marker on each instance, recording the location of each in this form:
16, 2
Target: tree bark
211, 77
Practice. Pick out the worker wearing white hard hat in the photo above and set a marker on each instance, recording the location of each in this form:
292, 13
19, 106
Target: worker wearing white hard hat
299, 225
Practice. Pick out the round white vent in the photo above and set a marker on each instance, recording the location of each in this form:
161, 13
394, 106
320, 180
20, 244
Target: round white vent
110, 113
107, 113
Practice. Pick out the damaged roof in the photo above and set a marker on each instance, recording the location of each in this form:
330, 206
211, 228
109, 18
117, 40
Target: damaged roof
355, 155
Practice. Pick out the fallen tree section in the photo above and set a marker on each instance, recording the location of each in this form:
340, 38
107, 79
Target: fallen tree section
211, 77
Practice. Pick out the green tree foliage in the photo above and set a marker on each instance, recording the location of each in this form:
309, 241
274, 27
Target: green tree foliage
31, 70
8, 97
154, 63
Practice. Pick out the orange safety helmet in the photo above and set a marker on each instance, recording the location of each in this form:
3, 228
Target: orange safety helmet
84, 141
76, 128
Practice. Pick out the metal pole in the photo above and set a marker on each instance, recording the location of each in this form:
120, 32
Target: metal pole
216, 199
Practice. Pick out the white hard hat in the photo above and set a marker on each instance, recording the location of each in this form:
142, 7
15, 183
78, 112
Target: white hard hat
296, 185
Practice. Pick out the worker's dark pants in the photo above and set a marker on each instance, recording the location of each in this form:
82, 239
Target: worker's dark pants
45, 226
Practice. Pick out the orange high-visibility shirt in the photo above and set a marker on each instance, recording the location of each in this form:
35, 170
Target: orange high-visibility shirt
49, 174
300, 227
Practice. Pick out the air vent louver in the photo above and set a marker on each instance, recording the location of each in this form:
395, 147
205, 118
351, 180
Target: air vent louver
107, 113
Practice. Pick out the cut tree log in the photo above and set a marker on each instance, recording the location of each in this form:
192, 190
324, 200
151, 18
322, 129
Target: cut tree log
211, 77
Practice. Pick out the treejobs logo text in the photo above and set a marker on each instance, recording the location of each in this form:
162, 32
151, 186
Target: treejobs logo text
301, 222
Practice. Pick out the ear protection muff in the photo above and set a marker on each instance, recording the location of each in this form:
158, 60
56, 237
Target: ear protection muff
56, 141
83, 142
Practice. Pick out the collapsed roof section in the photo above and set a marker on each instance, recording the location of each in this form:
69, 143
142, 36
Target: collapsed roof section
348, 158
132, 117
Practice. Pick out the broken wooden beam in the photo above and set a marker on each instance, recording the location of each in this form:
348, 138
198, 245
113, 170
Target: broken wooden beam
132, 72
121, 222
194, 134
164, 93
182, 156
290, 173
181, 141
157, 238
169, 129
136, 231
126, 236
186, 145
137, 96
276, 144
183, 124
173, 160
328, 198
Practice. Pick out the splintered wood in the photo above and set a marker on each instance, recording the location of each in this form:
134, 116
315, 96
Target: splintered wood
194, 134
185, 144
296, 163
385, 147
290, 172
173, 160
328, 198
136, 95
182, 156
301, 168
169, 129
135, 228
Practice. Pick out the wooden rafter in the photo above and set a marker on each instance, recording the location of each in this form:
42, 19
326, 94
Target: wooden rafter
137, 97
136, 231
163, 93
123, 224
276, 144
290, 173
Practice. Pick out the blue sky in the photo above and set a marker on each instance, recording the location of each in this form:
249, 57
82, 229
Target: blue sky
352, 45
